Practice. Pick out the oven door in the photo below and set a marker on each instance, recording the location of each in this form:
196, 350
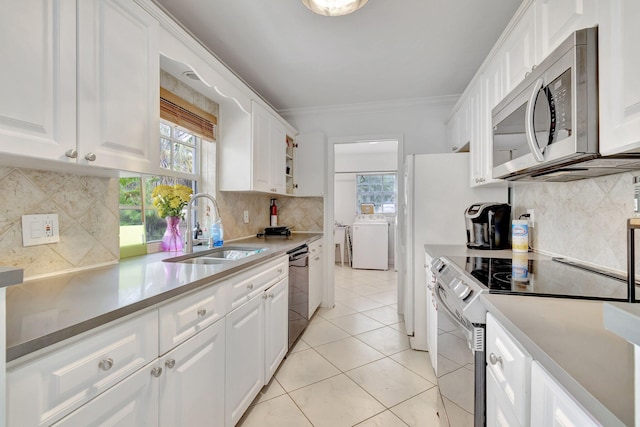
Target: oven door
461, 385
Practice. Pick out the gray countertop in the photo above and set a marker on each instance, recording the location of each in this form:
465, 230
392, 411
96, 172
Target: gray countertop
46, 311
623, 319
10, 276
568, 337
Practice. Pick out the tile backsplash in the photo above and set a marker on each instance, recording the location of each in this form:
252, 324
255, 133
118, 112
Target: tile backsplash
89, 220
87, 209
584, 220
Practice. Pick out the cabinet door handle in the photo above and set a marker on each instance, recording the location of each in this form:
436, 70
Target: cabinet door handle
264, 296
202, 312
250, 286
156, 372
493, 359
90, 156
317, 258
271, 295
71, 153
106, 364
170, 363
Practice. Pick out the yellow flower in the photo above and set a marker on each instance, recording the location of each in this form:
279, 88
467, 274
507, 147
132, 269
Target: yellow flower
169, 200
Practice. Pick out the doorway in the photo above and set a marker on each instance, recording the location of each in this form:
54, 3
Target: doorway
370, 161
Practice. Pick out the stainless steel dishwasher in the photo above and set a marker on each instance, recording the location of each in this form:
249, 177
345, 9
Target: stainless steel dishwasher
298, 292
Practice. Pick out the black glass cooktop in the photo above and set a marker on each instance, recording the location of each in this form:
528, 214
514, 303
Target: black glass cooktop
546, 277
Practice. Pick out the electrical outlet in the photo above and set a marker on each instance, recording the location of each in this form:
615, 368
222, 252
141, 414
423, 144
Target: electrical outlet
40, 229
531, 221
246, 217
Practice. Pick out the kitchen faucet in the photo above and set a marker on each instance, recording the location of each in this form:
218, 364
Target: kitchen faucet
188, 241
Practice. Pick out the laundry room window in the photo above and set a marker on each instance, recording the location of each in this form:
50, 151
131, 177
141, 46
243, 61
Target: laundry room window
378, 189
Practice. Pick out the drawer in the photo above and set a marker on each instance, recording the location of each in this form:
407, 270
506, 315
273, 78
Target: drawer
510, 367
189, 314
246, 285
45, 388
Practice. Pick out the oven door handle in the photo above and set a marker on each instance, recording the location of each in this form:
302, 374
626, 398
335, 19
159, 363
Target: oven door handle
448, 311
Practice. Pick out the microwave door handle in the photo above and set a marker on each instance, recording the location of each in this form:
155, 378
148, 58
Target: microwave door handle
529, 127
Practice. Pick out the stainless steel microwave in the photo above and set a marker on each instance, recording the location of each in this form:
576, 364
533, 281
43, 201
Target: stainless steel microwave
549, 122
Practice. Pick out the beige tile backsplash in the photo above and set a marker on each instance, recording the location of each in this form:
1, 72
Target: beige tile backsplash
89, 223
584, 220
87, 209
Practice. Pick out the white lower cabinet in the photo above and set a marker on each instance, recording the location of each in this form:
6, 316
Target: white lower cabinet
205, 370
552, 406
44, 389
193, 380
508, 377
315, 277
256, 343
131, 403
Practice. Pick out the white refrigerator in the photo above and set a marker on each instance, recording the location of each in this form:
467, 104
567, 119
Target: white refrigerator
437, 192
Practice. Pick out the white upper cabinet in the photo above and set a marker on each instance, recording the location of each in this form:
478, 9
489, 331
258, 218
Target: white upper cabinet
557, 19
619, 35
257, 162
118, 86
519, 50
90, 99
38, 85
309, 164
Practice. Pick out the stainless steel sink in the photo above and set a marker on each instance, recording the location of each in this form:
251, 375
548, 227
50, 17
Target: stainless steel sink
217, 255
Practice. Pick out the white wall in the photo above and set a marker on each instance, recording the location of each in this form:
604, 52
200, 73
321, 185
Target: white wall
370, 162
420, 121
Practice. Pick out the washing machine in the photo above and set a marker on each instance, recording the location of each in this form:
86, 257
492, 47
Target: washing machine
370, 242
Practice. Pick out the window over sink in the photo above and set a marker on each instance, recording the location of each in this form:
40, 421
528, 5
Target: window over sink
187, 134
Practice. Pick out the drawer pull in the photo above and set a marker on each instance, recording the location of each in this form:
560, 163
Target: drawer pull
156, 372
106, 364
250, 286
280, 270
202, 312
170, 363
493, 359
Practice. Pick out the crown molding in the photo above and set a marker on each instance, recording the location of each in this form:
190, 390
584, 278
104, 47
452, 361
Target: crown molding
372, 107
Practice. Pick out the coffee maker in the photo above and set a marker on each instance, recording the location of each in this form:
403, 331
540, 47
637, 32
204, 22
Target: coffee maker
488, 225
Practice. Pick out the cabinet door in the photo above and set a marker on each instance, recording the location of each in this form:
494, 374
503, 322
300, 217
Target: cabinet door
557, 19
619, 68
519, 50
276, 326
499, 411
309, 169
432, 319
261, 144
315, 279
118, 86
192, 387
509, 366
278, 159
244, 357
552, 406
131, 403
42, 390
38, 85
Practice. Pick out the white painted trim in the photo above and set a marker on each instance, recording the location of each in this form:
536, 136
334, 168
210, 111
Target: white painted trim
3, 365
328, 299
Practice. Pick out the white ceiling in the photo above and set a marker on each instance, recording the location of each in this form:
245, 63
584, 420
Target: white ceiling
388, 50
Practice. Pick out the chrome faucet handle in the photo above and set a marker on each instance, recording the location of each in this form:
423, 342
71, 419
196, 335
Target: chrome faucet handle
188, 244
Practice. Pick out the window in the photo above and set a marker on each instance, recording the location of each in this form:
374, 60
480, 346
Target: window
184, 128
378, 189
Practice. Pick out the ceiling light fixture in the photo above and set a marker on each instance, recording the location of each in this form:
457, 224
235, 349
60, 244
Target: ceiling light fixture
334, 7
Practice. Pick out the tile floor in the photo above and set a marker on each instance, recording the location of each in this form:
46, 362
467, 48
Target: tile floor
352, 366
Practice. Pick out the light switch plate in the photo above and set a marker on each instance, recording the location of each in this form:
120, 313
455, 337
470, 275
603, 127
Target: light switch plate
40, 229
246, 217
